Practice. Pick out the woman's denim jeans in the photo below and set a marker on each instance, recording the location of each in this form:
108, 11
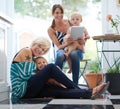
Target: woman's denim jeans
76, 56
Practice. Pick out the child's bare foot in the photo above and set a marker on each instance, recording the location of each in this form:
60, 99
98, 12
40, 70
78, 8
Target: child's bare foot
69, 71
66, 55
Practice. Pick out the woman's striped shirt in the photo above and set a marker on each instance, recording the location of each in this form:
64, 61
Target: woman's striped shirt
20, 73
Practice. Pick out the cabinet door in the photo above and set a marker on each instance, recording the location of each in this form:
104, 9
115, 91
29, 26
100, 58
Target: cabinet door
4, 88
3, 57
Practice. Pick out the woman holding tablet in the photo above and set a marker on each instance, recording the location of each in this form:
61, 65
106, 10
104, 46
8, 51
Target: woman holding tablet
57, 31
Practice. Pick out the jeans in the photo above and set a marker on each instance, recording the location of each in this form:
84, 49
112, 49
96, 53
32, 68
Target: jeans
37, 86
75, 57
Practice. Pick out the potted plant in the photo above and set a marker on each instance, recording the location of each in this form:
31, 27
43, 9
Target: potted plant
113, 76
93, 76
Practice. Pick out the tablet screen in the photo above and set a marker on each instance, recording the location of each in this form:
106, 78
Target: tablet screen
77, 32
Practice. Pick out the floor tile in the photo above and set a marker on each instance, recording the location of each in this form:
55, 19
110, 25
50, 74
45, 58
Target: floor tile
115, 101
23, 106
50, 106
116, 106
81, 101
49, 103
36, 101
114, 97
28, 101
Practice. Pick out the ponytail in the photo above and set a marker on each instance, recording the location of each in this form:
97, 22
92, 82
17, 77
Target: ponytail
53, 24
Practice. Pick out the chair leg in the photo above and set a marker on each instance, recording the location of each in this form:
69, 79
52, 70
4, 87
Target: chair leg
82, 73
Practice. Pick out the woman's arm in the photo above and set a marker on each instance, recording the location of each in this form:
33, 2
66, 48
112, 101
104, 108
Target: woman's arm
24, 55
54, 39
51, 33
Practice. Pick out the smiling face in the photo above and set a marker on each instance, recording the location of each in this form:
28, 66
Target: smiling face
41, 62
58, 15
40, 46
38, 50
57, 12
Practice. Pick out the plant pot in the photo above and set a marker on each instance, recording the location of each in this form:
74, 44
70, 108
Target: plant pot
114, 79
94, 79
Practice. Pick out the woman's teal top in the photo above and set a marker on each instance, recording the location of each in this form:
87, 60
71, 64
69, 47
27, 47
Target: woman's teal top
20, 73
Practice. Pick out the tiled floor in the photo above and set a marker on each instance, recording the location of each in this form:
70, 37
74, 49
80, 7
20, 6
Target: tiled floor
112, 103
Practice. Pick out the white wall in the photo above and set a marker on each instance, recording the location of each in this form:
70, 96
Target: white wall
110, 7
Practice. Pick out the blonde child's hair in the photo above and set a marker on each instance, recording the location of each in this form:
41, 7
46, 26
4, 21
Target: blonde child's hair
76, 13
43, 42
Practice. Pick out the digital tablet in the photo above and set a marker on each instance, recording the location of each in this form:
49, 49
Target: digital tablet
77, 32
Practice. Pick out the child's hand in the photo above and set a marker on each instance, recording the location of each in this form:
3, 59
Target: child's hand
81, 41
69, 40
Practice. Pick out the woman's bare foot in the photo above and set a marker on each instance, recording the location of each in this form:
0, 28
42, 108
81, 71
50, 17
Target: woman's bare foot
100, 89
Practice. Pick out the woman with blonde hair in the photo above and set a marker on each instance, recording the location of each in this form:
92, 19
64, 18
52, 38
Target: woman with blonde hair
23, 67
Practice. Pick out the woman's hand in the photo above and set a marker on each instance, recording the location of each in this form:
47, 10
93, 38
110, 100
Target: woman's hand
67, 41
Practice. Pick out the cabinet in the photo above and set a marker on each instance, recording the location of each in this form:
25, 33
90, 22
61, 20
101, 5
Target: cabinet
4, 87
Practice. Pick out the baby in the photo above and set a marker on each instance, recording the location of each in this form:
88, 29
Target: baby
41, 62
75, 20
